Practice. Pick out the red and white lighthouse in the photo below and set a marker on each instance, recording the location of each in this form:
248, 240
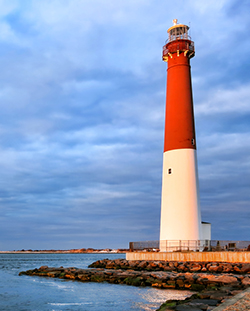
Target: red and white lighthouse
180, 207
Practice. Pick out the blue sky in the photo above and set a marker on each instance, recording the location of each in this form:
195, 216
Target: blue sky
82, 96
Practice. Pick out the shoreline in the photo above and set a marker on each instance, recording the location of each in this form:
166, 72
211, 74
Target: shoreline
65, 252
211, 289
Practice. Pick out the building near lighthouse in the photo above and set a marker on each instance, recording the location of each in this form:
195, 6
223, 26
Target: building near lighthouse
180, 203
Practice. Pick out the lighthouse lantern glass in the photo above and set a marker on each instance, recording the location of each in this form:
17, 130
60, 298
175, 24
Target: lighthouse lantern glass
178, 32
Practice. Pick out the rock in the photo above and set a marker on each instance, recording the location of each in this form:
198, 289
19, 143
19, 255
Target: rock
245, 268
218, 295
158, 275
215, 268
226, 288
209, 302
156, 285
237, 268
227, 267
240, 277
83, 277
182, 268
246, 281
70, 276
54, 274
235, 292
222, 279
143, 264
205, 295
186, 308
167, 268
152, 266
171, 264
162, 265
180, 283
201, 306
110, 265
197, 287
195, 268
170, 284
118, 262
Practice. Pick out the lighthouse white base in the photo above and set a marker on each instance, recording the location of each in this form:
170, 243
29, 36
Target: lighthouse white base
180, 208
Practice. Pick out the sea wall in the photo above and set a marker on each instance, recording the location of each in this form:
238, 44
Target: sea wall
231, 257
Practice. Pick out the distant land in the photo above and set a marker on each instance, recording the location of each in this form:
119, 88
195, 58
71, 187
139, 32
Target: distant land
80, 250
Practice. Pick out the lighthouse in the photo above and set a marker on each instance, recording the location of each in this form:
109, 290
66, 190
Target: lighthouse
180, 206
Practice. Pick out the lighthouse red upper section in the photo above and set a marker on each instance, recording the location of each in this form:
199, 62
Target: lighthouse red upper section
179, 122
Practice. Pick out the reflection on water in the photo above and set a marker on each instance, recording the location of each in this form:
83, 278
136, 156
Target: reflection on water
155, 297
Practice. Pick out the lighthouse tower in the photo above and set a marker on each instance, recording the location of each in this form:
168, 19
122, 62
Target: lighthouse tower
180, 207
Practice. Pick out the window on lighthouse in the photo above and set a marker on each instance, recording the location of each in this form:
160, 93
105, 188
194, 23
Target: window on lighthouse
169, 171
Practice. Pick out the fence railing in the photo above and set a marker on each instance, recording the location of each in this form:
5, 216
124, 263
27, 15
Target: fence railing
190, 245
148, 245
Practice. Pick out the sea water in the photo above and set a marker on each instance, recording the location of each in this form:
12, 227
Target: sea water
21, 293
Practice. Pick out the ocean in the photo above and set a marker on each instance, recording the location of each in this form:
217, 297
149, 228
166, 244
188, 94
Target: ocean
21, 293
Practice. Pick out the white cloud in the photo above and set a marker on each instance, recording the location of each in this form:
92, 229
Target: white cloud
220, 101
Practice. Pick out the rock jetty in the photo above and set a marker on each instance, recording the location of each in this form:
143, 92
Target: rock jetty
174, 266
213, 286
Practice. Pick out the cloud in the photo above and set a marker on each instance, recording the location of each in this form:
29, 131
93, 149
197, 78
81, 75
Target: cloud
82, 95
223, 101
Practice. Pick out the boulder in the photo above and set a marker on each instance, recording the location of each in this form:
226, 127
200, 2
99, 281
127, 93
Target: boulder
186, 308
215, 268
133, 263
182, 268
245, 268
237, 268
152, 265
246, 281
142, 265
227, 267
210, 302
222, 279
189, 278
195, 268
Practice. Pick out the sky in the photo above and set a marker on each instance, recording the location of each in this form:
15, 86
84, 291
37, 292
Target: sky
82, 101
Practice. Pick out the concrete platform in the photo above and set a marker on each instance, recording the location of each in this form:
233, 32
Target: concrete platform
191, 256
